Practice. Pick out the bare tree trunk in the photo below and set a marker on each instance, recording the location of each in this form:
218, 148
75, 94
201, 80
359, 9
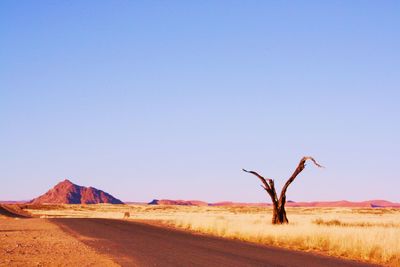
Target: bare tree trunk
275, 215
279, 215
278, 205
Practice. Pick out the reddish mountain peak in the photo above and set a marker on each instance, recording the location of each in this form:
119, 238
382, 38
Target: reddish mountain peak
67, 192
66, 181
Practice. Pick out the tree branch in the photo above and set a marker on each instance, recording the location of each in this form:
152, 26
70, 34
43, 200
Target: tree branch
268, 185
262, 179
298, 170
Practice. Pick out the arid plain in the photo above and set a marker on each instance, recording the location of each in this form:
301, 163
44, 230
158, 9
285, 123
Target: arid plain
367, 235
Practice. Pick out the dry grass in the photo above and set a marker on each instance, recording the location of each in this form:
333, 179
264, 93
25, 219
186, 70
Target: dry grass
336, 222
363, 234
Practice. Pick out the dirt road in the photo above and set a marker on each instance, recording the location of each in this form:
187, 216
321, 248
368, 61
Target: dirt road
137, 244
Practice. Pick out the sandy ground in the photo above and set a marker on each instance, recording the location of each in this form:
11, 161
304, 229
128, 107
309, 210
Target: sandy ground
37, 242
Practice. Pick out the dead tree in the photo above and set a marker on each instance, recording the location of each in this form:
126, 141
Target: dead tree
279, 213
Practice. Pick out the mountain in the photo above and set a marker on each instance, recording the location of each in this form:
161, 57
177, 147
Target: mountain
67, 192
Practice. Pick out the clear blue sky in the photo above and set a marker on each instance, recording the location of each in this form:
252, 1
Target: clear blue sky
170, 99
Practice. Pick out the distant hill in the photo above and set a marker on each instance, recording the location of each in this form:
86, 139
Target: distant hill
67, 192
345, 203
243, 204
178, 202
12, 211
342, 203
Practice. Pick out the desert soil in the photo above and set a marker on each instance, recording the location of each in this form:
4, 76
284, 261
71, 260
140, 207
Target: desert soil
37, 242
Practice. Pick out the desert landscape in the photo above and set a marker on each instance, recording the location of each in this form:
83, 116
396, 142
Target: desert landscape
367, 235
37, 234
199, 133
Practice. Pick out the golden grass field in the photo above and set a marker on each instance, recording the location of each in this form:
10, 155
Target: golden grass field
364, 234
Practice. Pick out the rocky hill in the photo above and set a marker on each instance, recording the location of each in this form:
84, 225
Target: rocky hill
13, 211
67, 192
